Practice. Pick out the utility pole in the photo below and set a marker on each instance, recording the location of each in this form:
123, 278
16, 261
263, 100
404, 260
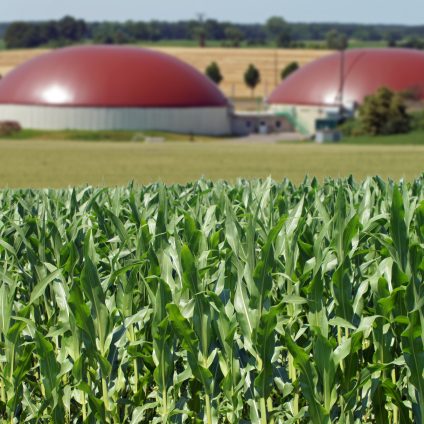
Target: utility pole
275, 67
202, 31
200, 17
342, 46
341, 83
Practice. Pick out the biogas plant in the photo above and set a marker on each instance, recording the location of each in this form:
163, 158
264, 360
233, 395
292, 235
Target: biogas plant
113, 88
120, 88
130, 88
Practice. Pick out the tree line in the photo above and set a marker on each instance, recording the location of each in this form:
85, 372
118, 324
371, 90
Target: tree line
274, 31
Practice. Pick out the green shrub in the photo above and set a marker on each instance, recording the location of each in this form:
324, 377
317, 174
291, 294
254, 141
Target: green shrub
214, 73
351, 128
289, 69
417, 120
384, 113
252, 77
9, 128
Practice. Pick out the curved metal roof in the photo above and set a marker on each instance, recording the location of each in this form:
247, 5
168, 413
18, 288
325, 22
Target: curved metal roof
109, 76
365, 70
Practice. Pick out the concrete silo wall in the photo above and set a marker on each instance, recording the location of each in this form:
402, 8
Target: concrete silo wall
203, 120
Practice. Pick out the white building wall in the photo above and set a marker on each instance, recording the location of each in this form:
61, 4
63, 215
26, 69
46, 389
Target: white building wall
202, 120
244, 123
302, 117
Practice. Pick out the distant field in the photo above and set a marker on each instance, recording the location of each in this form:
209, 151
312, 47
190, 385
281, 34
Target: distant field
9, 59
307, 44
356, 44
32, 163
232, 61
353, 44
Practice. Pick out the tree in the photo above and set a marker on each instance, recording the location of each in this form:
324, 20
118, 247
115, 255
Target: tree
199, 34
48, 32
392, 38
138, 30
215, 29
214, 73
284, 39
21, 35
384, 113
289, 69
336, 40
72, 29
154, 30
412, 43
104, 33
121, 37
233, 35
278, 31
252, 77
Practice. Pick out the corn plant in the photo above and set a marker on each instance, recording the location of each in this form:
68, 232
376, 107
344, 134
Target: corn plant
258, 302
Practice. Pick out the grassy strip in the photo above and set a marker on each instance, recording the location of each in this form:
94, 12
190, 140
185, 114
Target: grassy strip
412, 138
83, 135
306, 44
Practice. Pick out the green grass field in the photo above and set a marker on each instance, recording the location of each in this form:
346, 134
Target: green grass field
48, 163
412, 138
105, 135
308, 44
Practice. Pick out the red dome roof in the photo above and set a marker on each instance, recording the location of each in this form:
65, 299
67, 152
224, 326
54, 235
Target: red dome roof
109, 76
365, 70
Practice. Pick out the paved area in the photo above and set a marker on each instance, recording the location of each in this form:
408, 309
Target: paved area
268, 138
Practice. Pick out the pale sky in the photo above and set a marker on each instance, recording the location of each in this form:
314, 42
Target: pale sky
242, 11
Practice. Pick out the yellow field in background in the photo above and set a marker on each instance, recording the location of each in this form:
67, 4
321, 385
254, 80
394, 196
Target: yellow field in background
9, 59
233, 63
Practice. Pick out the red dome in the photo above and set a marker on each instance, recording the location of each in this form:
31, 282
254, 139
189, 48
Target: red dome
109, 76
365, 70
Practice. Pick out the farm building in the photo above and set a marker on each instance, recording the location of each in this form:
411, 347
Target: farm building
320, 88
113, 88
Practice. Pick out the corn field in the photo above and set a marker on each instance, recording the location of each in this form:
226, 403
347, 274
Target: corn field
257, 302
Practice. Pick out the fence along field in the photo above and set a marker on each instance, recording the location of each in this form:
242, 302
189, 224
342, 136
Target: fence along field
233, 64
207, 302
